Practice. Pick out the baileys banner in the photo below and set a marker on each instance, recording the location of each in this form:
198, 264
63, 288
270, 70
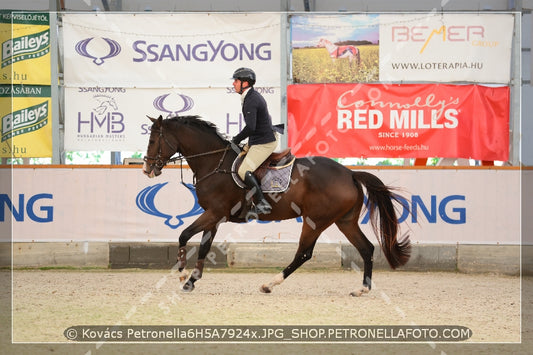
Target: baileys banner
25, 78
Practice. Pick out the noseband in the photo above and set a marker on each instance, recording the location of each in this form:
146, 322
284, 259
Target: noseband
158, 161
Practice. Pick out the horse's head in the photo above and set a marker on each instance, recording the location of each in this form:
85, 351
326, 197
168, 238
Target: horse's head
161, 147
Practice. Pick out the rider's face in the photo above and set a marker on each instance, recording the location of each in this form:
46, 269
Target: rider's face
239, 85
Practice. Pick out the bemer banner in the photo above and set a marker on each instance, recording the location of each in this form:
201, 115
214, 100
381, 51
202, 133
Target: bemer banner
431, 47
399, 121
446, 47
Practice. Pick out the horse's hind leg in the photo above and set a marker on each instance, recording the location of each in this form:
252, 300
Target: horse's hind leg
305, 252
349, 227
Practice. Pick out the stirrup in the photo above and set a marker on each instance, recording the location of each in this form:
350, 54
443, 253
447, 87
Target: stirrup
263, 207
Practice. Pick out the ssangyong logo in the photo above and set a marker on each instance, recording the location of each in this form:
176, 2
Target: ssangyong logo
24, 121
112, 49
30, 46
146, 202
176, 104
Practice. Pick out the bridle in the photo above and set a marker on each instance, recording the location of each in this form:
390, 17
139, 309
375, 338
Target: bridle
158, 161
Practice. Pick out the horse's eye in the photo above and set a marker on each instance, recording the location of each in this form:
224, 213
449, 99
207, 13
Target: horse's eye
151, 142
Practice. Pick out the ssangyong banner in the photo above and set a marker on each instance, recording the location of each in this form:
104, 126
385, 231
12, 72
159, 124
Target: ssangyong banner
169, 50
113, 118
123, 205
399, 121
446, 47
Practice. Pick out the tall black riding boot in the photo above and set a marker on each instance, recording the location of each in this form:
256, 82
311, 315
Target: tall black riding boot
262, 206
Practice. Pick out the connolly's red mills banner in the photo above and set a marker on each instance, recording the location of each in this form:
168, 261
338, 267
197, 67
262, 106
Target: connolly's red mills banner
399, 121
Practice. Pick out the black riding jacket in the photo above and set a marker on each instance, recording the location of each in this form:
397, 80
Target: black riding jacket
258, 128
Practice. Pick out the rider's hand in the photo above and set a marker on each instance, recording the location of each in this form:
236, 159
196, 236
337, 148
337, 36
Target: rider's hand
235, 147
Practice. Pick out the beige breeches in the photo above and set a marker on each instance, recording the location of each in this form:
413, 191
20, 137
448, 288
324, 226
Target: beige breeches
256, 155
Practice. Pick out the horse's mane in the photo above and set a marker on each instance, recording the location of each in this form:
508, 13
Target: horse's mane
197, 122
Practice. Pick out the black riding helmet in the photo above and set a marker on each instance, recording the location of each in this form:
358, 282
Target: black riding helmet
245, 74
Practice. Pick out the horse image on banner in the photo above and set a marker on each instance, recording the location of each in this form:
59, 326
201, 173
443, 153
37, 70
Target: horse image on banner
336, 52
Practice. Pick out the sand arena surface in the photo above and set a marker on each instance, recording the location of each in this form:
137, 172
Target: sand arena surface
45, 303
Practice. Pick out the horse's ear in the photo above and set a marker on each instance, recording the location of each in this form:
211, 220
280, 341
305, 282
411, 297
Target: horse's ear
159, 119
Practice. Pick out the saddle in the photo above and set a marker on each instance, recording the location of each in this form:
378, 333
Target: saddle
274, 162
274, 173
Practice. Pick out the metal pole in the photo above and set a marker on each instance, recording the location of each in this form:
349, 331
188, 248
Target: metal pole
54, 89
284, 74
516, 92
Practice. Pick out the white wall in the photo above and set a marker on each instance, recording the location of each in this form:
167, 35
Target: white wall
447, 206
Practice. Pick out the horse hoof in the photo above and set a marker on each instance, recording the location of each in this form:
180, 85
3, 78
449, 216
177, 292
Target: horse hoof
265, 289
360, 292
188, 287
183, 276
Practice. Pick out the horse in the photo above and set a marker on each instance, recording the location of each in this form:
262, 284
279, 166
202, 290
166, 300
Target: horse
335, 52
321, 191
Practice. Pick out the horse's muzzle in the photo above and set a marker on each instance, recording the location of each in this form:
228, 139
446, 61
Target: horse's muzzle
151, 171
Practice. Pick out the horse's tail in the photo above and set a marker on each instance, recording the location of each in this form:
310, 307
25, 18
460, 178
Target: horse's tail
385, 224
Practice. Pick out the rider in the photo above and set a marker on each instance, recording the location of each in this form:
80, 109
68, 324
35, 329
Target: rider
258, 129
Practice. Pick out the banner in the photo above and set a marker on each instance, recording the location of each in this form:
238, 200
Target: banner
179, 50
25, 48
26, 113
99, 118
446, 47
399, 121
122, 205
432, 47
25, 78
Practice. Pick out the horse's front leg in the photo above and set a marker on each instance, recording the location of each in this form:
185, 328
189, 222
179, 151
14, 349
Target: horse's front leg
206, 222
205, 245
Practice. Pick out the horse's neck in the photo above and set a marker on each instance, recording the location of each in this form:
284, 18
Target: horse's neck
330, 46
201, 156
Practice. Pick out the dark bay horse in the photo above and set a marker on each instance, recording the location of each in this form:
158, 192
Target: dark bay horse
321, 190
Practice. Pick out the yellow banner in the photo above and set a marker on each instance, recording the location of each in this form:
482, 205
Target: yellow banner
26, 122
25, 79
25, 46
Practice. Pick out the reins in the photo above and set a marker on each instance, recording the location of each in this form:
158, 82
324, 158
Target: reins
215, 171
160, 163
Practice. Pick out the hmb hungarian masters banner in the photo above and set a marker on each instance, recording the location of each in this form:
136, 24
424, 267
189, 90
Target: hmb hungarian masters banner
399, 121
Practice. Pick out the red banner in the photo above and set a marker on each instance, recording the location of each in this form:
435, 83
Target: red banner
399, 121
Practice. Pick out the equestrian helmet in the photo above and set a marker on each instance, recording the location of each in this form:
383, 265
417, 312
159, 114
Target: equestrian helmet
245, 74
